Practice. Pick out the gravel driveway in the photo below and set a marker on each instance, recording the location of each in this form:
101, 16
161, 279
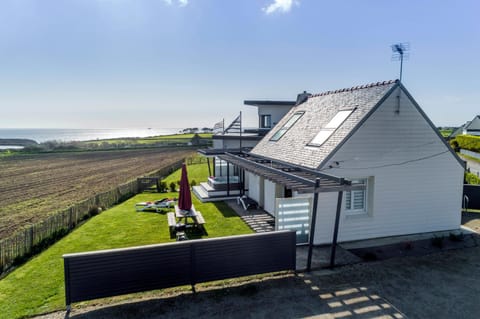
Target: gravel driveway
440, 285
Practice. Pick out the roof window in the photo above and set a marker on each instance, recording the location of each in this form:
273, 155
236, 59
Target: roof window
278, 134
331, 126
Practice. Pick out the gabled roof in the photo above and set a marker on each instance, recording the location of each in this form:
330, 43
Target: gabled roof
474, 125
318, 110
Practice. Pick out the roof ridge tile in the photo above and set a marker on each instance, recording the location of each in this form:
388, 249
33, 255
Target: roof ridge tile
354, 88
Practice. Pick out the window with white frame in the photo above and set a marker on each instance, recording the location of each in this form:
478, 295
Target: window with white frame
266, 121
356, 200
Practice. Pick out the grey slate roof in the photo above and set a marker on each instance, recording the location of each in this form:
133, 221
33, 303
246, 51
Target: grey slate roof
319, 110
474, 124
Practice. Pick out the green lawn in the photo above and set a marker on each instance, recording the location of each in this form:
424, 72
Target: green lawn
175, 138
38, 286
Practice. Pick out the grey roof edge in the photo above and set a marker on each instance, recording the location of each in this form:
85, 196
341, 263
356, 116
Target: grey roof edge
398, 84
434, 128
307, 169
359, 124
269, 103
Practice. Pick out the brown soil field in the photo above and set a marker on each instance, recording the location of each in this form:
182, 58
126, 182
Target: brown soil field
33, 187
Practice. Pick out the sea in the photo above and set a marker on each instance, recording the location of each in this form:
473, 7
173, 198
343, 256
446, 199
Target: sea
66, 135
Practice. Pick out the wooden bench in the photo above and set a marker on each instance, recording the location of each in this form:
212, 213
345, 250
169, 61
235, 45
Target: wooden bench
199, 220
172, 222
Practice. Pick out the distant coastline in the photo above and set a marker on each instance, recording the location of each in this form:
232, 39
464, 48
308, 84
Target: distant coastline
17, 142
34, 136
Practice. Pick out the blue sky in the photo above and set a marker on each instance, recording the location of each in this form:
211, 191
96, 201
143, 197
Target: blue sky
161, 63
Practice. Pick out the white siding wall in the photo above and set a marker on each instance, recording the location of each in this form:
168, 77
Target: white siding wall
276, 111
255, 188
269, 198
218, 144
410, 195
224, 143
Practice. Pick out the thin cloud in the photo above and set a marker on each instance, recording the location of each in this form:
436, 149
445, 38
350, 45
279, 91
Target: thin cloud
280, 6
181, 3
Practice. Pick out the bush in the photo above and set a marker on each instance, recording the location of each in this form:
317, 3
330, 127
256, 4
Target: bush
163, 187
437, 242
471, 178
370, 256
408, 245
95, 210
456, 237
173, 187
193, 182
41, 246
467, 142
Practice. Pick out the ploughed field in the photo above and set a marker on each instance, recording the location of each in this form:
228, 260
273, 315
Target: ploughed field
33, 187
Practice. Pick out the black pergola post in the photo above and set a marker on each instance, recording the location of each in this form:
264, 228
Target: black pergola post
214, 164
312, 224
335, 230
228, 179
243, 182
209, 169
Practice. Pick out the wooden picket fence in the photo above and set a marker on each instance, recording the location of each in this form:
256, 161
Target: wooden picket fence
196, 160
24, 242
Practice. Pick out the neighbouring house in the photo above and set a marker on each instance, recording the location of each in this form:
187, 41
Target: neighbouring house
471, 128
224, 178
357, 163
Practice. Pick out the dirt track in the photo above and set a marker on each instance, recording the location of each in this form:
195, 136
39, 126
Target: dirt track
35, 186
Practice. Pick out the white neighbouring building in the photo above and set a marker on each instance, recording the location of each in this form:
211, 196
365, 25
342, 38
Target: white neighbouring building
225, 180
370, 148
470, 128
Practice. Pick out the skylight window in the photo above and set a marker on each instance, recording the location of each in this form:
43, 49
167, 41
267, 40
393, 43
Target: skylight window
295, 117
331, 126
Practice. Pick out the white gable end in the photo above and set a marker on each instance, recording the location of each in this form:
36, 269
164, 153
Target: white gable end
415, 181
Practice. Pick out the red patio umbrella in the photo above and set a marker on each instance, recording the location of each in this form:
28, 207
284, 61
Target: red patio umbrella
185, 197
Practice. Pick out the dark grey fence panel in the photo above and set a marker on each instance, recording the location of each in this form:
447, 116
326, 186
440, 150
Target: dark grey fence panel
472, 192
244, 255
120, 271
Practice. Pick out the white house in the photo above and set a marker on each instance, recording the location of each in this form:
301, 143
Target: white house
369, 148
234, 138
471, 128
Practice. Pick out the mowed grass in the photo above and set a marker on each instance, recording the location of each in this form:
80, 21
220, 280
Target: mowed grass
174, 138
38, 286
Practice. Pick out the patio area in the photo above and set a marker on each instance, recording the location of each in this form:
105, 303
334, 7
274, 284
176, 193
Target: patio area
260, 221
352, 252
257, 219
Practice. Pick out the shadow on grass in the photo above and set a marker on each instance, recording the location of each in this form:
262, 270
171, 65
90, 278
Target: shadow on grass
288, 296
210, 300
225, 210
196, 232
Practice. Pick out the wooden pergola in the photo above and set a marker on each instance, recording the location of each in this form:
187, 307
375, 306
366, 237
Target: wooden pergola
300, 179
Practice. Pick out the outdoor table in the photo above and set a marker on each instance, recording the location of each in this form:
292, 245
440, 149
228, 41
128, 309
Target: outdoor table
179, 214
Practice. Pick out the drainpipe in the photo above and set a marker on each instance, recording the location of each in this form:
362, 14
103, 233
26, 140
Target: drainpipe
312, 224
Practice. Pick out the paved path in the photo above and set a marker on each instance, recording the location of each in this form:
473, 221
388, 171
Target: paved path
258, 220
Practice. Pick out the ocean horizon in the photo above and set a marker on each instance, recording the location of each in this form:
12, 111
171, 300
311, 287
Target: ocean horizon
41, 135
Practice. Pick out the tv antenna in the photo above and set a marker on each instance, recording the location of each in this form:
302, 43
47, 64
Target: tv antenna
400, 52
